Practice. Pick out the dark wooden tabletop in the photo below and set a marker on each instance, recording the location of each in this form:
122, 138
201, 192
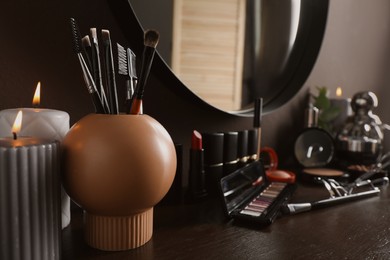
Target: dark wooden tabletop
356, 230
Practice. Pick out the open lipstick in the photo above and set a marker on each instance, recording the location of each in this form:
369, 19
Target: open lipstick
196, 182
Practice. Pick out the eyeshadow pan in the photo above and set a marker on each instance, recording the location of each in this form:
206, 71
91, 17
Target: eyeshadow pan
250, 212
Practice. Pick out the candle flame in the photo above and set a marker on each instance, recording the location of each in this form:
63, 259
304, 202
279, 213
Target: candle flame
37, 95
339, 92
16, 127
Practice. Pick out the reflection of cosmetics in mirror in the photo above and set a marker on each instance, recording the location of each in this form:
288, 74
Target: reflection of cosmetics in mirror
213, 160
257, 124
314, 147
196, 177
242, 148
252, 145
344, 106
230, 158
151, 38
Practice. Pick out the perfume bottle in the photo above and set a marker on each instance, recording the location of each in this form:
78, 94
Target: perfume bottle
360, 141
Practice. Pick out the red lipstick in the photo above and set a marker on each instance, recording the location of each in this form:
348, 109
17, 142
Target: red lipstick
196, 182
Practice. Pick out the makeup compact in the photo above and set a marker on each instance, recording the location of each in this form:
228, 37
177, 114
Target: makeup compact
248, 195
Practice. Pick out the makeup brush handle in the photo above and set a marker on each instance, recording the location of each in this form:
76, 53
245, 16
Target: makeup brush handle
136, 106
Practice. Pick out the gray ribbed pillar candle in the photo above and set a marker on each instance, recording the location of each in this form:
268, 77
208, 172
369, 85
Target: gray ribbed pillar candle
30, 217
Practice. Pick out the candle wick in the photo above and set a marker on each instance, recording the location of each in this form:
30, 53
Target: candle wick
15, 136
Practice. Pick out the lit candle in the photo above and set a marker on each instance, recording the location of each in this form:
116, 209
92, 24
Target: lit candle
344, 104
44, 123
29, 196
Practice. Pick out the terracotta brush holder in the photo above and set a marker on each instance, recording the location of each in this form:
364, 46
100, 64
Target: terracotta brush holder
117, 168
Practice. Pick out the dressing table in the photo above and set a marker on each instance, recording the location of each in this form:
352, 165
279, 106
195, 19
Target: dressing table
356, 230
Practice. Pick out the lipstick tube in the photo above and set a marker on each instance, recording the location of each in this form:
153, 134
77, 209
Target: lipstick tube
213, 161
196, 181
242, 148
230, 158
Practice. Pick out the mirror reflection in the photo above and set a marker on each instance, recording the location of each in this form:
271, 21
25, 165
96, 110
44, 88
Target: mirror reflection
228, 52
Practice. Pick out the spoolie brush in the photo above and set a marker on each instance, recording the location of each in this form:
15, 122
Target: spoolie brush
77, 47
151, 39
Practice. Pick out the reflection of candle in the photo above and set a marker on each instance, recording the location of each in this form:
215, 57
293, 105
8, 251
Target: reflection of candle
29, 197
344, 104
44, 123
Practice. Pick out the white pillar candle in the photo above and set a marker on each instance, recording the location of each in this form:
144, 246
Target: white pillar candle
43, 123
29, 199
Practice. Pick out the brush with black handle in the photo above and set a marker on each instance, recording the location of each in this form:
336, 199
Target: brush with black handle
86, 73
110, 72
151, 39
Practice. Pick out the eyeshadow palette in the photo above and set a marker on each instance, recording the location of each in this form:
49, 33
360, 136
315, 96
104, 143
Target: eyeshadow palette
248, 195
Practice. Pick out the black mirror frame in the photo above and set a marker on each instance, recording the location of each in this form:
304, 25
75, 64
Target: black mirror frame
316, 23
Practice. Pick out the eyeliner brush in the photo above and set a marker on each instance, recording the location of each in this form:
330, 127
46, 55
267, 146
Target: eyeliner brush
96, 68
257, 123
151, 38
86, 73
110, 72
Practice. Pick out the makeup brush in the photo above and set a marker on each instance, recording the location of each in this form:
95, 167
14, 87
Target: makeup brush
257, 123
131, 65
96, 68
86, 73
123, 69
87, 48
110, 72
151, 38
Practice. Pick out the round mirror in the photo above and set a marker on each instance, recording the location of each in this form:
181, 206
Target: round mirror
230, 52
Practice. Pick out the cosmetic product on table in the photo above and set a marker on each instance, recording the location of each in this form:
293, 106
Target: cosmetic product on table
269, 158
97, 101
230, 157
360, 141
30, 222
257, 123
151, 39
42, 123
117, 168
213, 160
249, 196
339, 194
252, 145
242, 148
196, 176
110, 72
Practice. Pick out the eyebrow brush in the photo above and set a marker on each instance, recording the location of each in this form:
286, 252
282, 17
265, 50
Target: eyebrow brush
110, 72
131, 66
151, 38
86, 73
96, 68
123, 69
